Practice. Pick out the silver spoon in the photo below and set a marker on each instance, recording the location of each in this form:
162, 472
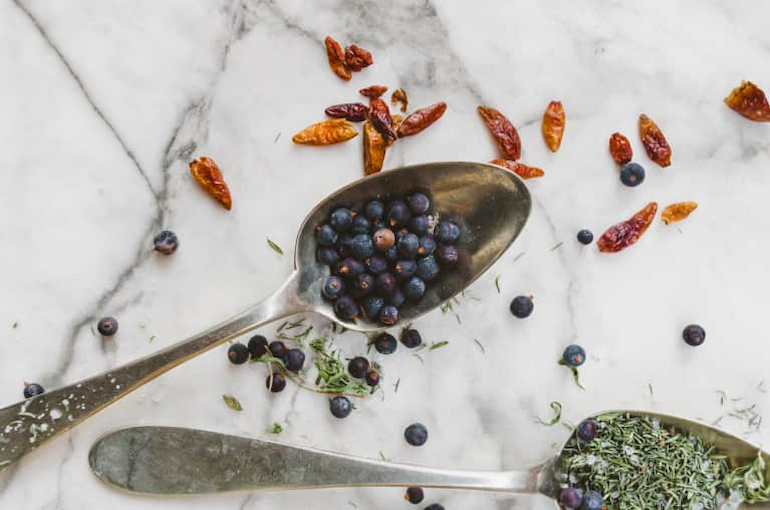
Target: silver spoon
170, 460
489, 204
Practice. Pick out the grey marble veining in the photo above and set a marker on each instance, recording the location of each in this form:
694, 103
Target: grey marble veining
103, 104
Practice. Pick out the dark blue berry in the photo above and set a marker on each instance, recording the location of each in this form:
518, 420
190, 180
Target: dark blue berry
385, 284
419, 224
592, 501
585, 236
361, 225
632, 174
364, 284
416, 434
277, 349
276, 383
385, 343
349, 268
447, 232
372, 378
419, 203
374, 210
408, 245
694, 335
333, 288
376, 264
427, 268
388, 315
414, 495
362, 246
340, 406
293, 359
166, 242
238, 354
325, 235
587, 430
391, 254
571, 498
107, 326
358, 367
398, 213
427, 246
33, 390
341, 219
372, 306
346, 308
397, 298
344, 244
411, 338
327, 255
447, 255
383, 239
404, 269
414, 288
574, 355
257, 346
522, 306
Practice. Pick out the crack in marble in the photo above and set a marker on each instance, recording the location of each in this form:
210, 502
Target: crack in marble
87, 95
58, 503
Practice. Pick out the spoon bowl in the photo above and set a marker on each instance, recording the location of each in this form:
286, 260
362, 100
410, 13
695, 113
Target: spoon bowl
169, 460
489, 204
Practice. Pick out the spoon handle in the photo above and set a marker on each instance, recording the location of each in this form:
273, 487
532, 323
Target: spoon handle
171, 460
28, 424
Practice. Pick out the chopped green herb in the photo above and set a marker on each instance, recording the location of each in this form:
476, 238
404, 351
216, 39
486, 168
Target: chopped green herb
558, 245
418, 357
382, 456
761, 386
92, 331
283, 325
641, 463
395, 386
575, 374
722, 397
497, 283
152, 338
232, 402
517, 257
649, 387
276, 429
333, 376
481, 346
439, 345
449, 307
274, 246
556, 406
15, 325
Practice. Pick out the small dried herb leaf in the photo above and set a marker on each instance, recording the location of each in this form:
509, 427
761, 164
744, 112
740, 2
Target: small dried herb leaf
556, 406
439, 345
274, 246
232, 402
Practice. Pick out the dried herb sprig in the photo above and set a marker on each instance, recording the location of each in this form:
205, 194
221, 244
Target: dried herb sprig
333, 376
556, 406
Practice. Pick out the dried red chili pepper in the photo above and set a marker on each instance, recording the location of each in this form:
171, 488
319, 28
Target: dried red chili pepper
206, 173
373, 91
357, 58
336, 58
397, 119
355, 112
374, 149
506, 136
626, 233
327, 132
421, 119
749, 101
399, 96
620, 149
520, 169
553, 125
379, 116
654, 142
677, 212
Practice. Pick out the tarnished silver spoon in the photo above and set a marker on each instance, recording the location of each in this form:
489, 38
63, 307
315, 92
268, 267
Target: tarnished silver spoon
489, 204
169, 460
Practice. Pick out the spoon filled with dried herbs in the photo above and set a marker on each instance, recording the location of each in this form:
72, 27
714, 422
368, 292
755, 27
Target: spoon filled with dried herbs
616, 461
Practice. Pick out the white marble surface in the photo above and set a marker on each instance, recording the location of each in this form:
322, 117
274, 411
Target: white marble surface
104, 103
